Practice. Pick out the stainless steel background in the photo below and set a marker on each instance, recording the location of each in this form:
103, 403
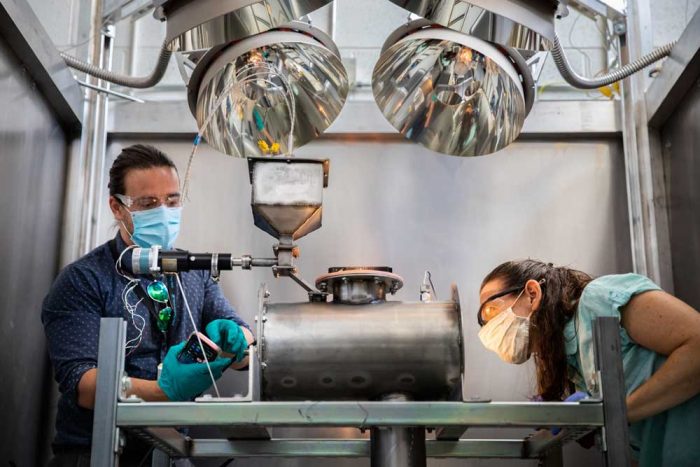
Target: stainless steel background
681, 143
394, 203
33, 154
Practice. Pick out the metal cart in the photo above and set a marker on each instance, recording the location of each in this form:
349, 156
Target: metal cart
157, 422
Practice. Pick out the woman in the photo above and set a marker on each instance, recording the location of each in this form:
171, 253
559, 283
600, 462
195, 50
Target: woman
533, 308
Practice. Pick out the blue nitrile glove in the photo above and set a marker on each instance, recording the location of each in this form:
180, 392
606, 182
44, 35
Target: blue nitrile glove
185, 381
575, 397
229, 336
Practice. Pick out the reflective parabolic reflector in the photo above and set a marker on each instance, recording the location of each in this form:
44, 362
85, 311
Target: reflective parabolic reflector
452, 93
260, 90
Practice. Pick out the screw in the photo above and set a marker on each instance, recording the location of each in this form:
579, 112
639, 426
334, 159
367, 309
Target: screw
619, 27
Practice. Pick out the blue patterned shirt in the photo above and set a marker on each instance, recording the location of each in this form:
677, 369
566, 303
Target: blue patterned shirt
90, 289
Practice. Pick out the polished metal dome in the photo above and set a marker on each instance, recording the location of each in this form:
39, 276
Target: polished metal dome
270, 93
452, 93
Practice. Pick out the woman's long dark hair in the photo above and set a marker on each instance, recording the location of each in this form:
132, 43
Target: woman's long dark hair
561, 291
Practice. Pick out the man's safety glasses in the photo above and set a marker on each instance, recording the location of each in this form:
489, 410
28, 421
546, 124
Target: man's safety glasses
150, 202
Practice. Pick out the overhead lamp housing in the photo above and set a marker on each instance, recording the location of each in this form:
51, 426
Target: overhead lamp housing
527, 25
452, 93
248, 97
200, 24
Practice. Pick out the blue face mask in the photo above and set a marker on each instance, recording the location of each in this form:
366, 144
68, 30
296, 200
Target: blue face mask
157, 226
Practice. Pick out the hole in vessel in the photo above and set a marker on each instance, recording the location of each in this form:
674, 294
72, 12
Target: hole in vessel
288, 382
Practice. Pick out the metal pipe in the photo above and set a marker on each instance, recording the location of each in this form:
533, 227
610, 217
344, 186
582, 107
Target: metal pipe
99, 147
397, 446
91, 119
111, 93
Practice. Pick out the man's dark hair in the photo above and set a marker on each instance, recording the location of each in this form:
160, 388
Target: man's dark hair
138, 156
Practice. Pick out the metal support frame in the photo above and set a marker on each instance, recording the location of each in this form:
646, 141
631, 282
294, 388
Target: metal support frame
646, 195
94, 139
606, 335
24, 34
154, 421
678, 75
110, 361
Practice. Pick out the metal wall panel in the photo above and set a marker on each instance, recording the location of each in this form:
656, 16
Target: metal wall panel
681, 141
32, 159
393, 203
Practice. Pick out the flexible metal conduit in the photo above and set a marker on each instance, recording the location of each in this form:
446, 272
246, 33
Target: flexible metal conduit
123, 80
611, 77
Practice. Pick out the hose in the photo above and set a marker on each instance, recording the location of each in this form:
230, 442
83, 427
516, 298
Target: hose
528, 82
571, 77
123, 80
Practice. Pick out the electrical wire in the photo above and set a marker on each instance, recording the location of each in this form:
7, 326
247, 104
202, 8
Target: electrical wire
132, 344
79, 44
238, 83
131, 309
199, 339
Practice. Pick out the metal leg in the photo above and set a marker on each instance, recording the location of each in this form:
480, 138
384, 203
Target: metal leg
553, 457
398, 447
160, 459
110, 365
606, 333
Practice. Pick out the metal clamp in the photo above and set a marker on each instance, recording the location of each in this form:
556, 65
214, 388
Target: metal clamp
215, 273
153, 267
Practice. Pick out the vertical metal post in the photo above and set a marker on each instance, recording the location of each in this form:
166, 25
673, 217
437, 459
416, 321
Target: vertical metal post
397, 446
99, 143
606, 335
553, 457
646, 195
160, 459
90, 119
110, 367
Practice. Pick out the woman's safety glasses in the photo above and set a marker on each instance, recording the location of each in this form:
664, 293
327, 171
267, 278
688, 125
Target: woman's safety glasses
158, 292
494, 305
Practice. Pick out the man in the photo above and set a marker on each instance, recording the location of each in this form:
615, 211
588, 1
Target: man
146, 203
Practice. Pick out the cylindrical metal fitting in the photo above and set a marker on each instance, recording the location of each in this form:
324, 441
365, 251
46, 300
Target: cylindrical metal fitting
330, 351
397, 446
359, 285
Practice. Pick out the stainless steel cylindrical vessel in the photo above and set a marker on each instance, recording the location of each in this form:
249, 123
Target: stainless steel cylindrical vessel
331, 351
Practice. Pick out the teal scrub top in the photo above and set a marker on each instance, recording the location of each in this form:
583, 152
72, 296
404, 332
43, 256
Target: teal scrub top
671, 438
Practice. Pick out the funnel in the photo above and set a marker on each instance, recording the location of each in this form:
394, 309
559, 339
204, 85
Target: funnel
287, 195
